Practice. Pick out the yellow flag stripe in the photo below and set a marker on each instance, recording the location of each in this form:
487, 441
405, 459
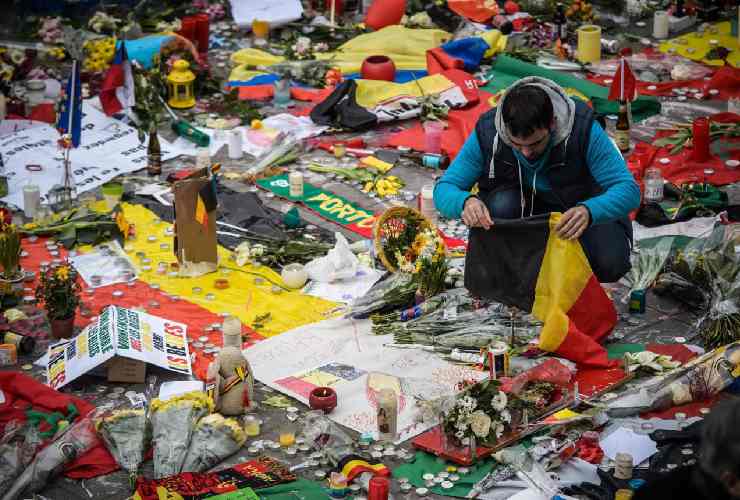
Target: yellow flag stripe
563, 275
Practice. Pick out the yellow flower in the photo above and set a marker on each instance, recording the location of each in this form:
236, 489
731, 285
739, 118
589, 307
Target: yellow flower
62, 272
122, 224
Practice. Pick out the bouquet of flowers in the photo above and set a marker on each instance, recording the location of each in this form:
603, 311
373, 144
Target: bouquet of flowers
173, 422
214, 439
396, 291
125, 433
69, 444
82, 226
426, 260
483, 413
277, 252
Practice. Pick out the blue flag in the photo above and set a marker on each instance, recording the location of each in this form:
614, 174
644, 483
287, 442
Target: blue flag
70, 120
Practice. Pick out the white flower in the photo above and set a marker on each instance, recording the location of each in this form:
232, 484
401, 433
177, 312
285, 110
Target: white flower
506, 416
500, 430
257, 251
480, 423
499, 401
302, 45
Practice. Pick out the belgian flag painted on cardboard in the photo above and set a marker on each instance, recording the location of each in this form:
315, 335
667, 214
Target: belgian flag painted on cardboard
523, 263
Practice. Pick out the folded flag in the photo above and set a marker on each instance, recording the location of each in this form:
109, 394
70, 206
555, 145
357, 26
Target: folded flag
354, 465
523, 263
117, 93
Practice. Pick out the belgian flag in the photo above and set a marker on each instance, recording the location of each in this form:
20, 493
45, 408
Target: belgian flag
523, 263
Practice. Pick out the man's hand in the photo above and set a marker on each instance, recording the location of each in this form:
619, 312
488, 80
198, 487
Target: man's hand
475, 214
573, 223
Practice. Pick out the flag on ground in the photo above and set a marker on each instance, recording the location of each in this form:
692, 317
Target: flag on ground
117, 93
523, 263
70, 120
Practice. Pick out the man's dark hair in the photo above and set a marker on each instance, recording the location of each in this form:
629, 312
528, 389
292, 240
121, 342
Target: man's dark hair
720, 443
527, 108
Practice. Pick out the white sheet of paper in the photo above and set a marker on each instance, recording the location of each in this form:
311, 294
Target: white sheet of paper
276, 12
257, 143
170, 389
624, 440
694, 228
342, 353
345, 290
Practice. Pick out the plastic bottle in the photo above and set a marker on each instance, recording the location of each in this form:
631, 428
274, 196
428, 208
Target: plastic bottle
653, 180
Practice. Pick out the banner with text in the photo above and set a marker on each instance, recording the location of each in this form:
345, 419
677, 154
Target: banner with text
119, 332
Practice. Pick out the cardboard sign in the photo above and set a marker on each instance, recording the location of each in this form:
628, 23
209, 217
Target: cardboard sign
119, 332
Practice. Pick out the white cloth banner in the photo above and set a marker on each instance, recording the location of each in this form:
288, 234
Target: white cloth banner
345, 355
108, 148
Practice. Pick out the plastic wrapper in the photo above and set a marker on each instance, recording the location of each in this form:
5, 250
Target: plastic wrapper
69, 444
396, 291
323, 434
338, 264
698, 380
551, 370
647, 263
656, 63
17, 448
215, 438
173, 423
125, 433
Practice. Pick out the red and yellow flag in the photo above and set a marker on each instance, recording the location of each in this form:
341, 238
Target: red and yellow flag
523, 263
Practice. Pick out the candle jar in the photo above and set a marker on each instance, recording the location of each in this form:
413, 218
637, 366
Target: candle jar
653, 185
287, 433
251, 426
282, 92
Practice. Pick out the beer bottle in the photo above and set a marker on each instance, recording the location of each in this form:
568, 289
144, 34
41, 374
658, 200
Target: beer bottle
154, 154
23, 344
623, 128
561, 24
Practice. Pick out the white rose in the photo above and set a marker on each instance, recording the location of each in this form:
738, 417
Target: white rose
480, 423
499, 401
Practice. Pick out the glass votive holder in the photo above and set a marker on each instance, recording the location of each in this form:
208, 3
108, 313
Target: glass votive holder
197, 290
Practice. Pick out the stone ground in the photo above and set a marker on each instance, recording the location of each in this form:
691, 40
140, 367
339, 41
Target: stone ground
664, 320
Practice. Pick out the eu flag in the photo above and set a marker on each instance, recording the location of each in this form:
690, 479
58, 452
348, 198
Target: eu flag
70, 120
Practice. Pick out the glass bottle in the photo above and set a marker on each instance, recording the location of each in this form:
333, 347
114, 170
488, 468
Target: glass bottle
653, 180
251, 426
622, 134
154, 153
561, 23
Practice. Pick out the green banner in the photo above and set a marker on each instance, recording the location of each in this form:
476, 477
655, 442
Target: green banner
507, 70
324, 203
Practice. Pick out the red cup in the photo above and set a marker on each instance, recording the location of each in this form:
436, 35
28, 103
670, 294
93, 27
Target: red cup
188, 28
700, 151
202, 32
378, 68
378, 488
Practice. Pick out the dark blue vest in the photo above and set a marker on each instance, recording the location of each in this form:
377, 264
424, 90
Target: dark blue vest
567, 171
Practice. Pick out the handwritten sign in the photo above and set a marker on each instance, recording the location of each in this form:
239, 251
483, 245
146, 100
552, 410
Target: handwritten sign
109, 148
345, 355
119, 332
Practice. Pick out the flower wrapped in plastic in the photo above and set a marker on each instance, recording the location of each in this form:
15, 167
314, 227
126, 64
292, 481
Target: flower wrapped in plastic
173, 422
125, 433
69, 444
215, 438
17, 447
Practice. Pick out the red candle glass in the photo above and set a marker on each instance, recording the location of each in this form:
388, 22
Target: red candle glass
188, 28
701, 139
202, 31
378, 489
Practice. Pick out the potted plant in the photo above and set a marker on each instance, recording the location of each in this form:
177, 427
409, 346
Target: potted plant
60, 293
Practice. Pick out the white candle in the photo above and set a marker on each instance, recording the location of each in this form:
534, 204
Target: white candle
660, 24
235, 144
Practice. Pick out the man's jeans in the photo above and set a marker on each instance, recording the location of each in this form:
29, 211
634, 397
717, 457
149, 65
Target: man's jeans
607, 246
